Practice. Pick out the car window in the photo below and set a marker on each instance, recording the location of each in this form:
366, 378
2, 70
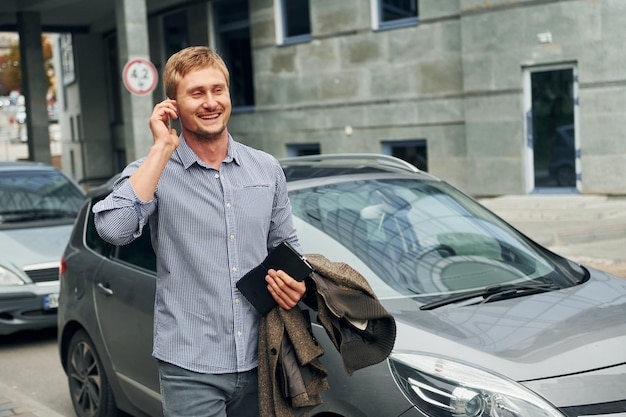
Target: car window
37, 195
422, 238
138, 253
92, 238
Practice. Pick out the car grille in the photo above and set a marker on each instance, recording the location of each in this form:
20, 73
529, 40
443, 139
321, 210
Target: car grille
48, 272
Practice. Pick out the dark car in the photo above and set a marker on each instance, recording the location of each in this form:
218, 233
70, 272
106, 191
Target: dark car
490, 324
38, 205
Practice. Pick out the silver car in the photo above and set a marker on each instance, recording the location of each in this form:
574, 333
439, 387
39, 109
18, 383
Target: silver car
38, 205
490, 323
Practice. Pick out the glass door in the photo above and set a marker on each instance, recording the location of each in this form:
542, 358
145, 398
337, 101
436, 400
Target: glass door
551, 140
231, 26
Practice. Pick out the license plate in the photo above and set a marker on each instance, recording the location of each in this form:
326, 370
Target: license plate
51, 301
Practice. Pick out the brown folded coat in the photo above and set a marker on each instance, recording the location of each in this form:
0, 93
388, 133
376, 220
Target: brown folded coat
291, 377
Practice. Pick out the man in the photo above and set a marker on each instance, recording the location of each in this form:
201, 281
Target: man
215, 208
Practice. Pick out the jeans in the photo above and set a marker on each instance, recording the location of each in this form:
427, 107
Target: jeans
191, 394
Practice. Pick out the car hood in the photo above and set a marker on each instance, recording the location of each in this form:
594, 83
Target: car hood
29, 246
573, 330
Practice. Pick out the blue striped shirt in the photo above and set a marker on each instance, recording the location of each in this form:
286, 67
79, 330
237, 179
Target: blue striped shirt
209, 227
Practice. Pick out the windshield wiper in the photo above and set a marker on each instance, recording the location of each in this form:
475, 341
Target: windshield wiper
24, 216
492, 293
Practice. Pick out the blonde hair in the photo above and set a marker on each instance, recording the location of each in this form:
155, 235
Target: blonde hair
187, 60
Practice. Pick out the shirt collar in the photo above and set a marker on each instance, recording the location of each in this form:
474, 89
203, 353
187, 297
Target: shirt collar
188, 157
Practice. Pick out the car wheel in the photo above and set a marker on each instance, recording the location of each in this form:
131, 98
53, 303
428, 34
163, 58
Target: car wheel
89, 387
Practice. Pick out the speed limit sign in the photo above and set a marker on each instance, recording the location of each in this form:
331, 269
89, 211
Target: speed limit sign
140, 76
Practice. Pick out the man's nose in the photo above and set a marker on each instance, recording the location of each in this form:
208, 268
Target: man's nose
210, 101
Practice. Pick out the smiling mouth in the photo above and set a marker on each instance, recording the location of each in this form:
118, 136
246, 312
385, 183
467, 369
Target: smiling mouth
209, 116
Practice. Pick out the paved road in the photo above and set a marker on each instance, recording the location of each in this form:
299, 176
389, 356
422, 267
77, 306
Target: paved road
32, 377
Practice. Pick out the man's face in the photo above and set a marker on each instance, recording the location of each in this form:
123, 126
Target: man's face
204, 105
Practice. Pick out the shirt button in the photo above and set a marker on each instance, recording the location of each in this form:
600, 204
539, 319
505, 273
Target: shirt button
234, 269
238, 334
217, 176
236, 300
232, 237
227, 205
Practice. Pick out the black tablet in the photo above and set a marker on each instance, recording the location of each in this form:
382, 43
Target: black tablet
283, 257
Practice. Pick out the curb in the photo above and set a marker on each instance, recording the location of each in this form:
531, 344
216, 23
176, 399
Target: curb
13, 403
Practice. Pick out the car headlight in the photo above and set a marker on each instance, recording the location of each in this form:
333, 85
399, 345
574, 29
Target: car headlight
443, 387
9, 278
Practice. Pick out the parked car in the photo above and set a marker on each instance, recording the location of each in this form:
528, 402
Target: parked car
38, 205
490, 323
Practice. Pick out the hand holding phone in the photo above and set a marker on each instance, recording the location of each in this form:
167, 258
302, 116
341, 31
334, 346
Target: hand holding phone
161, 118
169, 118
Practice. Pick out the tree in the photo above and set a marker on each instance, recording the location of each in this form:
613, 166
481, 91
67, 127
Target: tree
11, 71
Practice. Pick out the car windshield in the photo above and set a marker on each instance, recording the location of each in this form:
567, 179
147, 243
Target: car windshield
421, 238
26, 196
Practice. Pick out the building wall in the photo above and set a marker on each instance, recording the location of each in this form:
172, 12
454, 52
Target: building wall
87, 143
455, 80
500, 40
602, 94
351, 87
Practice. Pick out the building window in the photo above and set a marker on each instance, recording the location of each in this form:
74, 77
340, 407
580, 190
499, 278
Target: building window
413, 151
293, 21
113, 79
72, 131
389, 14
232, 30
175, 35
302, 149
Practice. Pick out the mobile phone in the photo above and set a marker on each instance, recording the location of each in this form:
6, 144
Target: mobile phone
169, 119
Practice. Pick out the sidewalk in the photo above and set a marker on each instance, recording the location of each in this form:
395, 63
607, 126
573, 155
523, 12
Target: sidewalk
14, 403
589, 229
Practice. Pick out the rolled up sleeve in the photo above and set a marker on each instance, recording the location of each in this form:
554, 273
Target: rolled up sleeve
120, 217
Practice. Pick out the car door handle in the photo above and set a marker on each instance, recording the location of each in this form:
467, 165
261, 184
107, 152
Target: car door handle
105, 289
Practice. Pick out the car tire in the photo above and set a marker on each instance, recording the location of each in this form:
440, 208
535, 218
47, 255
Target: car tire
89, 387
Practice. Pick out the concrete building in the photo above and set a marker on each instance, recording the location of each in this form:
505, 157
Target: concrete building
496, 97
